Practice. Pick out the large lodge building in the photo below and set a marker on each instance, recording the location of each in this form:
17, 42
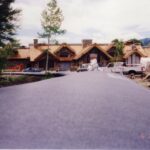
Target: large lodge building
65, 56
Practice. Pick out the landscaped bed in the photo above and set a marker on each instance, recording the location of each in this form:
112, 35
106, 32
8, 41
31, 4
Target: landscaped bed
9, 80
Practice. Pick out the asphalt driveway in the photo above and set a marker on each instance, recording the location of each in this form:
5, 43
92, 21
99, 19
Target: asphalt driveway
80, 110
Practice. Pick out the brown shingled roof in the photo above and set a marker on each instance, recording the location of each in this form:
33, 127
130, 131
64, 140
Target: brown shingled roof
21, 54
35, 52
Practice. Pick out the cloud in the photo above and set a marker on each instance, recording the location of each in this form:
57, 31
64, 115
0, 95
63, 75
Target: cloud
101, 20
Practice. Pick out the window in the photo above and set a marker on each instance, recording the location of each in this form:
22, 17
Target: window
64, 53
133, 59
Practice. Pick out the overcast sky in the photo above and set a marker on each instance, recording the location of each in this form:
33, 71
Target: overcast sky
100, 20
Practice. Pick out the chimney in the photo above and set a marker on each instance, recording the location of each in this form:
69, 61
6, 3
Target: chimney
86, 42
35, 42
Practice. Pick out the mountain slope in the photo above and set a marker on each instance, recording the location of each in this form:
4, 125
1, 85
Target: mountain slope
145, 41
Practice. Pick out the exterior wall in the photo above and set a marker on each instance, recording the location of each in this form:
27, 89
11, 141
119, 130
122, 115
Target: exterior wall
21, 62
64, 66
41, 62
54, 65
134, 59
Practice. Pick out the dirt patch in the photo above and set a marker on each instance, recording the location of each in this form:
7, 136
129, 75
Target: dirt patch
141, 80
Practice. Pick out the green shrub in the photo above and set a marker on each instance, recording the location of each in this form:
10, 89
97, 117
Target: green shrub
21, 78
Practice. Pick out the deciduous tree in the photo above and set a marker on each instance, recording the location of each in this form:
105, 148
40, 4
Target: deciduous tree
119, 46
51, 21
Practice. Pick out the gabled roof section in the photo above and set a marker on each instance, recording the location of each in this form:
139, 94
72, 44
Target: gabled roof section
39, 50
133, 52
72, 52
44, 53
64, 45
87, 49
35, 54
129, 50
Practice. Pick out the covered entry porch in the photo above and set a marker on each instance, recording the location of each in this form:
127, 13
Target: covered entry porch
94, 52
40, 62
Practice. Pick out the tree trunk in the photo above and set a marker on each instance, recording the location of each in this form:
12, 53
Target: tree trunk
47, 55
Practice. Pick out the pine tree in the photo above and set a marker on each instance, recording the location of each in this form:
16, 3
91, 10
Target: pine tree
51, 22
8, 26
8, 21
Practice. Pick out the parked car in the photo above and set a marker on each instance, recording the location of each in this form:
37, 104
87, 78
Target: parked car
83, 67
121, 67
30, 69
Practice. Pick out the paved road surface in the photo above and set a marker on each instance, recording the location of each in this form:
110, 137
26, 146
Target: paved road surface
80, 110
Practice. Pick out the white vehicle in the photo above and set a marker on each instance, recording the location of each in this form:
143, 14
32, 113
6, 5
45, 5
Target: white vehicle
83, 67
92, 66
120, 67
